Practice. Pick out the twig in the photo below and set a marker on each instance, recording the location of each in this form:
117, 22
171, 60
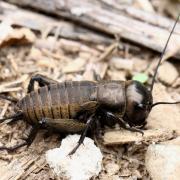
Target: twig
5, 107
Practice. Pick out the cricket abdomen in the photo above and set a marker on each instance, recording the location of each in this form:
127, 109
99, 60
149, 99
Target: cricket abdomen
57, 101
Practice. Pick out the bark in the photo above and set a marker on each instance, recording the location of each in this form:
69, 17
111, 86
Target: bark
42, 23
146, 29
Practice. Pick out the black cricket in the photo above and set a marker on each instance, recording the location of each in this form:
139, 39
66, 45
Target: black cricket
74, 106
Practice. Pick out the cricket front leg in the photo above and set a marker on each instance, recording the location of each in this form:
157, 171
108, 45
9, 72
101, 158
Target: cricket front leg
124, 124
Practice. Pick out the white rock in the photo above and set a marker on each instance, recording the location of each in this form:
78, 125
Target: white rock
163, 162
82, 165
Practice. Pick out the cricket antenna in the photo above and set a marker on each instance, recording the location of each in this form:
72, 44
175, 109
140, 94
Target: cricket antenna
158, 103
155, 73
162, 54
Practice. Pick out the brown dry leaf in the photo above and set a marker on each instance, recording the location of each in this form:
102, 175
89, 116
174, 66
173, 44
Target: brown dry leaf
11, 36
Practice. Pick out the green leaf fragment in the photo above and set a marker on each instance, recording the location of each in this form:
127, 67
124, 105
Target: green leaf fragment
141, 77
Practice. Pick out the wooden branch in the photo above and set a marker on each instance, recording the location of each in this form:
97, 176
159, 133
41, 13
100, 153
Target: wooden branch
124, 137
144, 16
39, 22
142, 28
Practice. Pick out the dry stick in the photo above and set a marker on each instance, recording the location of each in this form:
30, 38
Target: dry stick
33, 168
123, 137
4, 109
12, 86
107, 20
108, 51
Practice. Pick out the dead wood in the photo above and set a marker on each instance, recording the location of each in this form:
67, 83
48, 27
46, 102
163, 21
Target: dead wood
124, 137
149, 30
20, 168
38, 22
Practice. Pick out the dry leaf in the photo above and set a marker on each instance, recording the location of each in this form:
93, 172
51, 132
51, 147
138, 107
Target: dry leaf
11, 36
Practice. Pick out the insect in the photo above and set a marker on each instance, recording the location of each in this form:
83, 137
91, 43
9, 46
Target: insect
77, 106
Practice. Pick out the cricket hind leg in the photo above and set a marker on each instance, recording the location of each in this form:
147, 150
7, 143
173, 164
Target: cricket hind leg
61, 126
98, 129
27, 142
83, 135
97, 133
42, 81
70, 125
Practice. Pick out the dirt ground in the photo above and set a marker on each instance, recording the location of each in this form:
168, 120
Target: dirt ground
63, 59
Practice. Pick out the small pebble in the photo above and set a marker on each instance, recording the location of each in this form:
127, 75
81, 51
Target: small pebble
163, 162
